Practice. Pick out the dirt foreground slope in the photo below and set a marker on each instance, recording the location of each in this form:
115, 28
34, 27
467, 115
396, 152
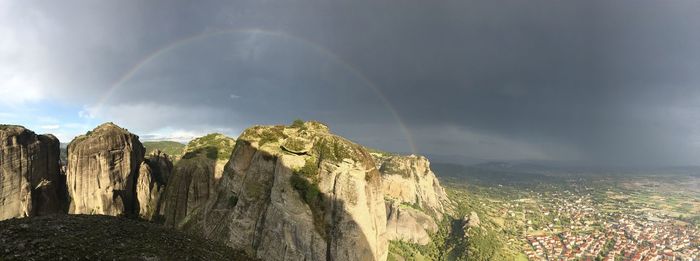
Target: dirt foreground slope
97, 237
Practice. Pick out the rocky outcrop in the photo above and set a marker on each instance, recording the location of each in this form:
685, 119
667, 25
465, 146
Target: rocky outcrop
414, 197
323, 204
407, 224
102, 169
150, 184
30, 180
217, 146
471, 221
189, 187
408, 179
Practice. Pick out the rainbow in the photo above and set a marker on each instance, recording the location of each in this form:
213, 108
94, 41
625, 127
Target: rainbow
337, 59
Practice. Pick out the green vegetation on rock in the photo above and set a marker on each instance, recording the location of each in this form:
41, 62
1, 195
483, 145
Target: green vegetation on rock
399, 250
311, 194
310, 169
298, 123
172, 148
333, 150
216, 146
210, 152
295, 145
414, 205
272, 135
305, 182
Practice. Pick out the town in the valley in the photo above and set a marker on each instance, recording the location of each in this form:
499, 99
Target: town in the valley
618, 218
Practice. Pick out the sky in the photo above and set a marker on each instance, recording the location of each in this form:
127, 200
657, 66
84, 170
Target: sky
592, 82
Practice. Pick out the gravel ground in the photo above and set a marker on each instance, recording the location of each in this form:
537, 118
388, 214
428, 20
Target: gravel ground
92, 237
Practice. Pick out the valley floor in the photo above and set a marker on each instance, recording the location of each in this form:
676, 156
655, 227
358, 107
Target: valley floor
585, 218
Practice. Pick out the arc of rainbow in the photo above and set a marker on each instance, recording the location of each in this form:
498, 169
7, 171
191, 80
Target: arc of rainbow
337, 59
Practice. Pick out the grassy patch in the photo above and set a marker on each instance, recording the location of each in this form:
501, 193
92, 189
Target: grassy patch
271, 135
294, 144
171, 148
333, 150
209, 152
222, 144
407, 251
414, 205
310, 169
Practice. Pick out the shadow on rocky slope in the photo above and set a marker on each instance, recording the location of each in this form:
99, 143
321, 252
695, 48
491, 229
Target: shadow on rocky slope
98, 237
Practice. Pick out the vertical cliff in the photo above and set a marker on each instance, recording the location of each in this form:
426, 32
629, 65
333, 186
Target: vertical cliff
218, 147
415, 199
102, 169
409, 180
297, 193
29, 173
150, 184
195, 175
189, 187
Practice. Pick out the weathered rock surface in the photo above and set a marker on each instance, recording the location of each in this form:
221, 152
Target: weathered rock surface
472, 220
217, 146
150, 184
415, 199
189, 187
408, 179
325, 204
102, 169
195, 175
29, 173
409, 225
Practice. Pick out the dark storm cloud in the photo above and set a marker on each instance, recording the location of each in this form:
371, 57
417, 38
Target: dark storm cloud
602, 82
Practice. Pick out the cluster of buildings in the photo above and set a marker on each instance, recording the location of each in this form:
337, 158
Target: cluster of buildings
590, 234
645, 239
622, 237
566, 246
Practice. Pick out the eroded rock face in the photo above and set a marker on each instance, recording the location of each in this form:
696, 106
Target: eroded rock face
29, 173
189, 187
102, 169
415, 199
194, 177
216, 146
150, 184
408, 224
323, 204
408, 179
472, 220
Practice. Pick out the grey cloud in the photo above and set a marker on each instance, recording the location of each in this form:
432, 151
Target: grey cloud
595, 81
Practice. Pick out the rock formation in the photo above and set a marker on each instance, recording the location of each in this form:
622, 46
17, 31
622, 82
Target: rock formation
407, 224
189, 187
322, 202
471, 221
195, 176
218, 148
150, 184
285, 193
415, 199
408, 179
29, 173
102, 169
